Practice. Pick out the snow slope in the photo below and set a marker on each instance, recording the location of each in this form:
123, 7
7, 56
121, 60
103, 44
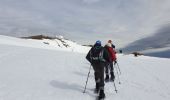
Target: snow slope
54, 44
30, 70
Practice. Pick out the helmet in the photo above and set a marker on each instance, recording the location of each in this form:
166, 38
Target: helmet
98, 42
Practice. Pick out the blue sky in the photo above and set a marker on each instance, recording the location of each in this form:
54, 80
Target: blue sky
85, 21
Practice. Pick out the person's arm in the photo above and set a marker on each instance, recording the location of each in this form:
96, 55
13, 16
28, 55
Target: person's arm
113, 46
88, 55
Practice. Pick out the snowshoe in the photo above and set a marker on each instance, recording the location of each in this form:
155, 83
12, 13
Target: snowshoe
99, 98
101, 95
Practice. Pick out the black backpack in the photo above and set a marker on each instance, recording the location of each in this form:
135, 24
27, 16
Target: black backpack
96, 54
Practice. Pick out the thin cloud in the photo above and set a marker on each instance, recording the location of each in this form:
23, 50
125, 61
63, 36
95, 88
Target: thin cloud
120, 20
91, 1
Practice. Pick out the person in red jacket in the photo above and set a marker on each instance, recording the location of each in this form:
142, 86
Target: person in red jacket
112, 55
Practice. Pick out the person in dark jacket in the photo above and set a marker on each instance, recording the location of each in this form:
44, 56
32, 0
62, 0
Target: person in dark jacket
98, 56
109, 66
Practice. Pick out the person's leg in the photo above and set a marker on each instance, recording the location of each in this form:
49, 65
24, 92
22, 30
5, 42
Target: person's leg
96, 76
101, 85
107, 72
112, 72
97, 80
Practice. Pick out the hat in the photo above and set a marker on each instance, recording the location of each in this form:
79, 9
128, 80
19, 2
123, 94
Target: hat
109, 44
98, 42
109, 41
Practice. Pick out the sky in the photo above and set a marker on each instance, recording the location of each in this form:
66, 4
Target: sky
85, 21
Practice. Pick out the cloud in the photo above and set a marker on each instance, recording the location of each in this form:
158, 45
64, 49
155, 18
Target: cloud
91, 1
121, 20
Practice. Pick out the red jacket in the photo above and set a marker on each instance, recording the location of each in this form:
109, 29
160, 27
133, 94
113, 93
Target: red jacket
112, 53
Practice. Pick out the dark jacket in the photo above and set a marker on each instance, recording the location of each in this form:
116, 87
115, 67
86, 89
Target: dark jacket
105, 55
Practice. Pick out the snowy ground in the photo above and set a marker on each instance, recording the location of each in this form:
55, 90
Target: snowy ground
30, 70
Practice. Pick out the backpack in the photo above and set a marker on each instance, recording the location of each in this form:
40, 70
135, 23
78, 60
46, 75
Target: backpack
96, 54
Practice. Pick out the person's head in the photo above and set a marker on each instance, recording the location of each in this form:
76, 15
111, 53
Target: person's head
109, 41
98, 43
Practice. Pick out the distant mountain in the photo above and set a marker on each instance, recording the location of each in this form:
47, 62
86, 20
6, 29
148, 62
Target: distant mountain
156, 45
45, 42
39, 37
163, 54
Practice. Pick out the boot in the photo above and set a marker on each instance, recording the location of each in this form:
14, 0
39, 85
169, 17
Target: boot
107, 78
97, 88
101, 94
112, 76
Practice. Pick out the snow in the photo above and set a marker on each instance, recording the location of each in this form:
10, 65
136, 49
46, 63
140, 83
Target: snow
32, 70
54, 44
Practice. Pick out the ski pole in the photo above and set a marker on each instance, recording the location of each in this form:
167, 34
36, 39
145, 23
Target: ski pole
117, 74
115, 86
87, 79
118, 67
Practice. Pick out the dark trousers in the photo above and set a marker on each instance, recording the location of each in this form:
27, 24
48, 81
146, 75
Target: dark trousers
108, 67
99, 74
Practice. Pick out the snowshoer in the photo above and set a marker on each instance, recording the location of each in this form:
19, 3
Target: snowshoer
113, 46
108, 66
98, 56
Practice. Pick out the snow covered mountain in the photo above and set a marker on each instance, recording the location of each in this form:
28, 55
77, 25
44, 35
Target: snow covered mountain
58, 43
157, 45
34, 70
